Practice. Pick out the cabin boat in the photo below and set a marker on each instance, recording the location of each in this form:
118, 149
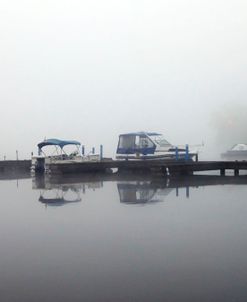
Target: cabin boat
40, 162
151, 145
237, 151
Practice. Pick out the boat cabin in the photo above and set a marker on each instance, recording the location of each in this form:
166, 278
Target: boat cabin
151, 145
143, 143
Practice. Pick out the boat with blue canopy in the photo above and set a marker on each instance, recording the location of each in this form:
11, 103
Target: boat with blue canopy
150, 145
58, 153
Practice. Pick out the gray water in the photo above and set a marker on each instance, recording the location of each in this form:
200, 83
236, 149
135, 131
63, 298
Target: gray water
123, 239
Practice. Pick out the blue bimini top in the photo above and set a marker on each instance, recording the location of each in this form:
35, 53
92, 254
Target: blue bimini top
56, 142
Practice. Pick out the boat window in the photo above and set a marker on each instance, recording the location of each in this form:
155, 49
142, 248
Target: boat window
135, 141
161, 141
145, 142
127, 141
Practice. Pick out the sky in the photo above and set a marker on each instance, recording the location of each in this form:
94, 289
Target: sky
90, 70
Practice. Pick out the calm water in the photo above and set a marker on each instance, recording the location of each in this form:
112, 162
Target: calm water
123, 240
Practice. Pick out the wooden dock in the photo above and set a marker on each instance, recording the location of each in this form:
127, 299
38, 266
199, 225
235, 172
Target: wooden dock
139, 166
15, 166
157, 166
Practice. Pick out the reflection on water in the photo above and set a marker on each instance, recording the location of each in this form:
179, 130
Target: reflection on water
60, 196
134, 189
141, 192
123, 238
60, 192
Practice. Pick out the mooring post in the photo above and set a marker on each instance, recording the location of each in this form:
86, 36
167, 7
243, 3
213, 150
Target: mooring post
187, 192
82, 149
222, 172
176, 153
186, 152
167, 171
236, 172
196, 157
101, 152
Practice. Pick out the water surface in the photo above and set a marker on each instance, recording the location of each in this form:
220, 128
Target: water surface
123, 239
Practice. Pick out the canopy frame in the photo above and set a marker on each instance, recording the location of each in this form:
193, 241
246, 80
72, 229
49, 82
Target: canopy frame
57, 143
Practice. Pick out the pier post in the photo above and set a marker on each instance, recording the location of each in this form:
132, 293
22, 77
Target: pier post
197, 157
186, 152
222, 172
236, 172
83, 150
187, 192
101, 152
176, 153
166, 171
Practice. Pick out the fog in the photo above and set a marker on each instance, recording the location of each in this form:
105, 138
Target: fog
90, 70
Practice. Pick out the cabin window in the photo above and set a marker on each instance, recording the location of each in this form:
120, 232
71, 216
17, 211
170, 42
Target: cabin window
135, 141
127, 142
161, 141
145, 142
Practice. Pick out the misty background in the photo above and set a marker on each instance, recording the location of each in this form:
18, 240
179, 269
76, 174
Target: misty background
90, 70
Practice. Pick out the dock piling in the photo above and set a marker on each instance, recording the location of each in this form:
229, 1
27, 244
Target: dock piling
176, 153
101, 152
187, 192
186, 152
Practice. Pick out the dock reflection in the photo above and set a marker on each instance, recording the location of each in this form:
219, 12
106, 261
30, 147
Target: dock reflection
14, 175
132, 189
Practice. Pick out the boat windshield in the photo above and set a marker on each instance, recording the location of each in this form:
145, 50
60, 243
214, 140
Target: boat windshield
239, 147
161, 141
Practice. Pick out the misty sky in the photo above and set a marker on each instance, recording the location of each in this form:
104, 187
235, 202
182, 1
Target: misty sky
90, 70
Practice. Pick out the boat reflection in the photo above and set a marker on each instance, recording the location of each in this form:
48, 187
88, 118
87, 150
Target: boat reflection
60, 196
132, 189
62, 191
141, 192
